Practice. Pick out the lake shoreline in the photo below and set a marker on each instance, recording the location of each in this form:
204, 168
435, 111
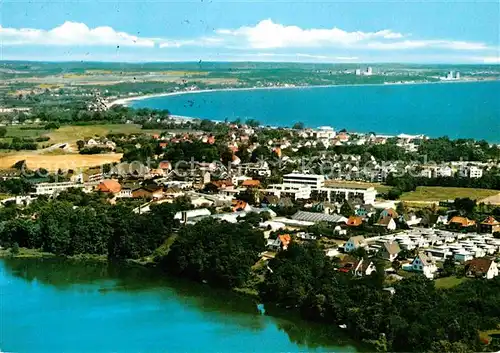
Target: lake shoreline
290, 318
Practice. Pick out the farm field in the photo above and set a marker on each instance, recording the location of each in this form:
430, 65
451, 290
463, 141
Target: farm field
439, 193
53, 162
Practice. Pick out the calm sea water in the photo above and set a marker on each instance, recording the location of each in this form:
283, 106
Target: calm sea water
59, 306
467, 110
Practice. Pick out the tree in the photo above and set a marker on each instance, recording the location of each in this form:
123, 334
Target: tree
401, 208
80, 144
218, 252
14, 250
449, 267
3, 131
252, 123
346, 210
298, 126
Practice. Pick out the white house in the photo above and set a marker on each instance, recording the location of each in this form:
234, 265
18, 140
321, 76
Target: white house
425, 264
481, 267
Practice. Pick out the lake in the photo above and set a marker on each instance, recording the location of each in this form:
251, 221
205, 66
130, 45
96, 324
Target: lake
458, 110
52, 305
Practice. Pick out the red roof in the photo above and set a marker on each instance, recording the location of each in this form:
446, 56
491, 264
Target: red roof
109, 185
250, 183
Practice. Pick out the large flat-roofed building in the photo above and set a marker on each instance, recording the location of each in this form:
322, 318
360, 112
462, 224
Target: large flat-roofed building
339, 192
292, 191
54, 188
315, 181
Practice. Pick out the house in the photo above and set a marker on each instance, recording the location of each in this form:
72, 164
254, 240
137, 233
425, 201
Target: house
201, 202
173, 192
240, 205
285, 202
481, 267
285, 240
365, 210
354, 242
386, 222
125, 192
389, 212
110, 186
165, 165
325, 207
360, 268
152, 192
489, 225
354, 221
410, 219
250, 183
425, 264
270, 200
458, 222
390, 250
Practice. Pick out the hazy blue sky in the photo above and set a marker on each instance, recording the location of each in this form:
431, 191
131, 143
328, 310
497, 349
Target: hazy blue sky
273, 30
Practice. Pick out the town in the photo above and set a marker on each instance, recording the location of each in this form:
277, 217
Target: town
273, 175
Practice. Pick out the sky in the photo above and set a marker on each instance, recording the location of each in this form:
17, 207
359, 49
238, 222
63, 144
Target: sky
418, 31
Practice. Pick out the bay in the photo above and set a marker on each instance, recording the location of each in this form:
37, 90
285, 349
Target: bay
457, 110
53, 305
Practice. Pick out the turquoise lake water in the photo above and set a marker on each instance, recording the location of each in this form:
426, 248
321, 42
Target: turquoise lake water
466, 110
60, 306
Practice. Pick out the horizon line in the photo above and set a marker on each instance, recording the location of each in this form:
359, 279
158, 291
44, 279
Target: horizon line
251, 61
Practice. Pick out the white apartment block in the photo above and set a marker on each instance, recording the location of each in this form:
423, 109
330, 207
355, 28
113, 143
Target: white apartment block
324, 133
292, 191
313, 180
54, 188
366, 194
472, 172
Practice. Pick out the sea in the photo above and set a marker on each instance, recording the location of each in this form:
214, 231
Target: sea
456, 110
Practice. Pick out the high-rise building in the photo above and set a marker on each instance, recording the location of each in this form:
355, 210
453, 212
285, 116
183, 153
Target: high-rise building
358, 72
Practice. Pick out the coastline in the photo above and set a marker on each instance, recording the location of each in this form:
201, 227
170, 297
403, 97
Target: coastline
126, 101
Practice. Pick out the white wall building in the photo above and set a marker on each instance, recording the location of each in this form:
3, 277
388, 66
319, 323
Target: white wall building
366, 194
324, 133
294, 191
315, 181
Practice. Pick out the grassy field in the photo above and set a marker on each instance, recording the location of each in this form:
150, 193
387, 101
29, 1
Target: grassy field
438, 193
448, 282
72, 134
55, 162
21, 131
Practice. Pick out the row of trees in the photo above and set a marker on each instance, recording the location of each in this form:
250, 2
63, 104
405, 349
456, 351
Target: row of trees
78, 225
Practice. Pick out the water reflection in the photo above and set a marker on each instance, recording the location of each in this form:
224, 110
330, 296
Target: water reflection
232, 311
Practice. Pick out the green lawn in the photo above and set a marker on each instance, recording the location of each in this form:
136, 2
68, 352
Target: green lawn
439, 193
448, 282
